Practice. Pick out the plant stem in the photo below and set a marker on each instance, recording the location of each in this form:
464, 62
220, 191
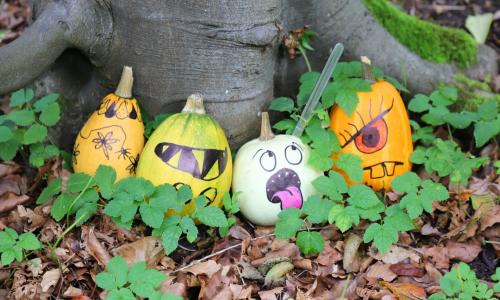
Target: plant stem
53, 247
306, 59
78, 198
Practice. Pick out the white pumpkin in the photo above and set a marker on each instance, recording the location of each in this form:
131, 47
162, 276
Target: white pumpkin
271, 173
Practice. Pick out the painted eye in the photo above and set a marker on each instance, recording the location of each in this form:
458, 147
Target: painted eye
372, 137
293, 155
268, 161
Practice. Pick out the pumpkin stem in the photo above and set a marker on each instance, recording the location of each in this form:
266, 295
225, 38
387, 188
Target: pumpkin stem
367, 69
124, 89
194, 104
266, 133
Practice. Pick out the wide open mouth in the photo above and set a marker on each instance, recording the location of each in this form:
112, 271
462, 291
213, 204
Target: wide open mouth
383, 169
204, 164
284, 188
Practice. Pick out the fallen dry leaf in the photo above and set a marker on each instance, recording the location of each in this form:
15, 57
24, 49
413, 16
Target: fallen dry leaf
274, 294
9, 201
208, 268
72, 292
148, 249
380, 271
406, 291
350, 262
396, 254
407, 269
94, 247
50, 279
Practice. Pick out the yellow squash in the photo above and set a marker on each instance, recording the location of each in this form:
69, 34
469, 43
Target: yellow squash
114, 133
189, 148
379, 132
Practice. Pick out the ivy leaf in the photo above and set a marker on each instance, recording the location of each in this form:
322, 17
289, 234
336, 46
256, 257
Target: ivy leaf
310, 242
184, 193
5, 134
152, 216
61, 205
385, 237
8, 150
50, 114
23, 117
36, 133
165, 197
406, 183
326, 186
40, 104
484, 131
419, 103
396, 218
116, 275
307, 82
413, 205
343, 217
488, 110
282, 104
285, 125
170, 238
460, 120
351, 165
289, 222
21, 97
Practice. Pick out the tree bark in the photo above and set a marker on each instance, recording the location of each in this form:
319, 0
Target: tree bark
228, 50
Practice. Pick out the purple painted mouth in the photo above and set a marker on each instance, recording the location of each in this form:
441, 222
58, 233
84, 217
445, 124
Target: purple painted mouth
284, 188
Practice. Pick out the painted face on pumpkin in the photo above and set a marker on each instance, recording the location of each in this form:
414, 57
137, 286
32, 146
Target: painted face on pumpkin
272, 175
379, 132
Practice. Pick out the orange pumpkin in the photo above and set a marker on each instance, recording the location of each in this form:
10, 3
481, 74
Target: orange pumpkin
379, 132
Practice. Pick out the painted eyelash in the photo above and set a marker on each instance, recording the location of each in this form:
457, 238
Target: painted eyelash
373, 119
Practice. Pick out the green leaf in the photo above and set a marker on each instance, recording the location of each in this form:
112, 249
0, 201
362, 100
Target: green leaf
8, 257
307, 82
53, 188
60, 207
28, 241
212, 216
310, 242
396, 218
36, 133
184, 193
484, 131
21, 97
119, 268
326, 186
5, 134
23, 117
343, 217
151, 216
419, 103
50, 114
385, 237
436, 115
170, 238
282, 104
85, 212
285, 125
8, 150
317, 209
406, 183
488, 110
362, 196
40, 104
459, 120
413, 205
351, 165
189, 228
289, 222
164, 198
78, 181
105, 177
371, 232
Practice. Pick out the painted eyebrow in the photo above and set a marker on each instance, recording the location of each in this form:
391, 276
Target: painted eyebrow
257, 152
378, 117
297, 145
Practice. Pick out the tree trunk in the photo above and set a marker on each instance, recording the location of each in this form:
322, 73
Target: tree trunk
228, 50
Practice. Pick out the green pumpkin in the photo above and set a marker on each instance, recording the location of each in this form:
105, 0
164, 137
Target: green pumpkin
189, 148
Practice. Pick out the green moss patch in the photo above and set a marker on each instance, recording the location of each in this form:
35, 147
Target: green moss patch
430, 41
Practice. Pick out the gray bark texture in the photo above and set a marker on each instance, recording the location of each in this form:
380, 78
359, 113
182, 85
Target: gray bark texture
228, 50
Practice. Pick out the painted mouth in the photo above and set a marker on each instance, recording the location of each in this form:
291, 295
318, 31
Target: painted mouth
284, 188
207, 164
383, 169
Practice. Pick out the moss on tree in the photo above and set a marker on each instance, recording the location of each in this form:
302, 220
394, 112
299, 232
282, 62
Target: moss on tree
430, 41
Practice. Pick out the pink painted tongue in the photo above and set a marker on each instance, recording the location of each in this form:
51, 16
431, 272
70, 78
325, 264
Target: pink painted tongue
290, 197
